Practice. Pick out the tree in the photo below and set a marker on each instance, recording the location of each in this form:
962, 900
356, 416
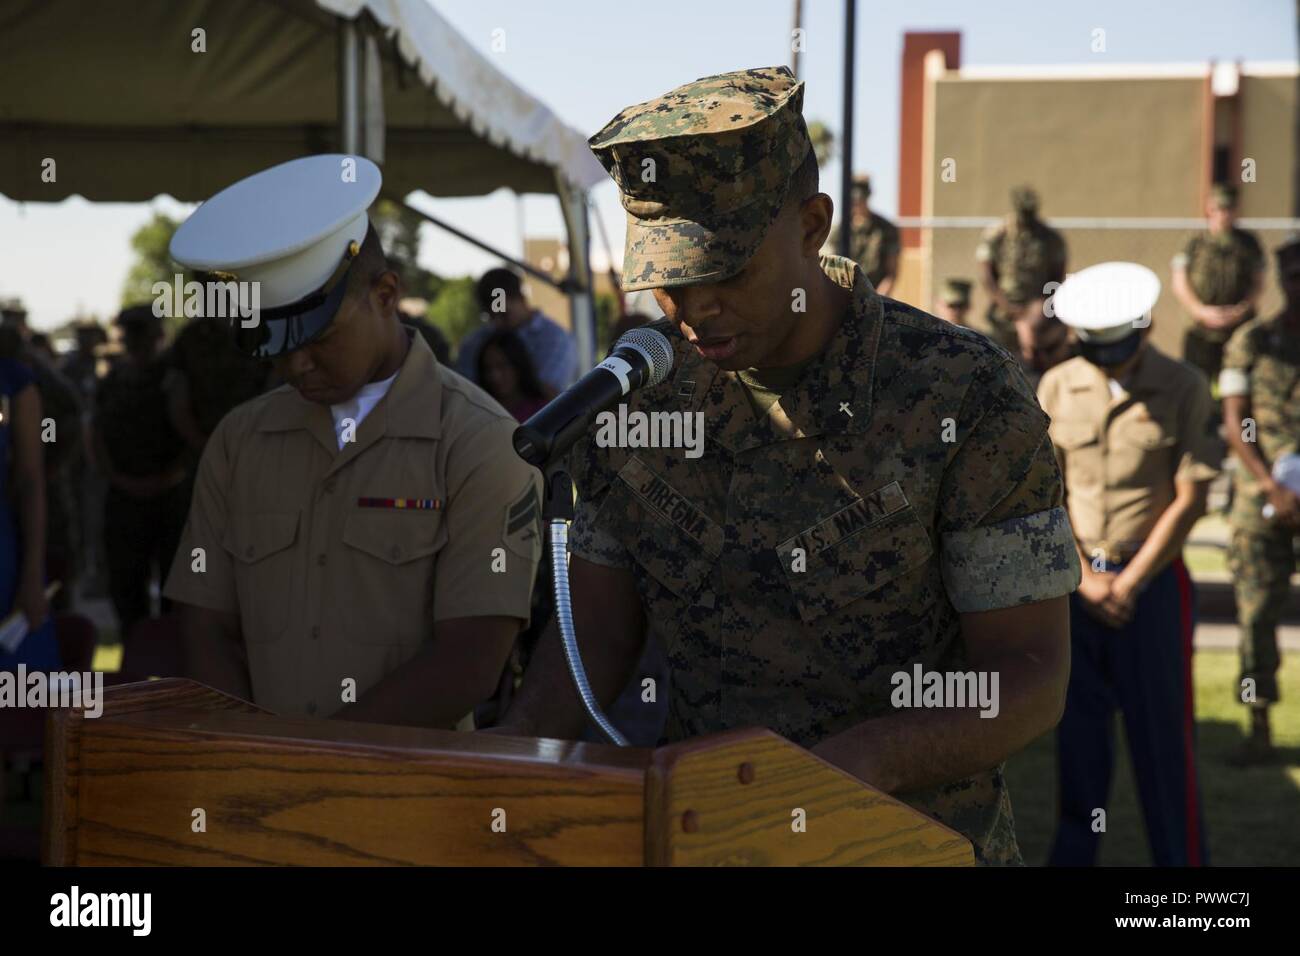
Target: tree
399, 232
455, 310
152, 263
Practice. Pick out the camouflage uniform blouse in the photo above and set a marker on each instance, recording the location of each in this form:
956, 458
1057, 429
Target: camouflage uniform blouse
901, 531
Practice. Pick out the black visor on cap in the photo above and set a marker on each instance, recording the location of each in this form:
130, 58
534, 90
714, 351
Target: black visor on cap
1111, 353
288, 327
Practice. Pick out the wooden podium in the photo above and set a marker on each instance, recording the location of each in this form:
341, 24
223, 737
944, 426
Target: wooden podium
132, 786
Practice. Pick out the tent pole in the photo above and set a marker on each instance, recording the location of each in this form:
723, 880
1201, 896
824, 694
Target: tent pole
563, 285
582, 304
349, 107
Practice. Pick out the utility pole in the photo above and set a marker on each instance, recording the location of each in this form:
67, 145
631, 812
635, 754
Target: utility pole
846, 131
796, 38
1295, 132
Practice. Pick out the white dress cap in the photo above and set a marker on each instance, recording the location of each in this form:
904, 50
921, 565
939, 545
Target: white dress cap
1106, 302
287, 227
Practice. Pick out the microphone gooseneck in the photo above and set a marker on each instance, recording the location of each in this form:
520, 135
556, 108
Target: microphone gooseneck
641, 357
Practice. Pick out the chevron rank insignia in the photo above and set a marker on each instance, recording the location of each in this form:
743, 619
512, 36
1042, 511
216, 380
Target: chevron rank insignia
523, 527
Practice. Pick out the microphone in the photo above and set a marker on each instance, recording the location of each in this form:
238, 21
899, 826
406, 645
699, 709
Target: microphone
640, 358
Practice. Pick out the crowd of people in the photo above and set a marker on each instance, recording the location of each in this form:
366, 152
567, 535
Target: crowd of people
110, 479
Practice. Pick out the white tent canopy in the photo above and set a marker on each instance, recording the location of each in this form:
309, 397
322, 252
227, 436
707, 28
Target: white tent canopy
115, 93
119, 95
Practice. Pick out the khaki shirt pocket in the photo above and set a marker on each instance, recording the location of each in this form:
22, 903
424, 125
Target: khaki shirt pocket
391, 567
1142, 453
859, 567
1070, 436
262, 547
1078, 446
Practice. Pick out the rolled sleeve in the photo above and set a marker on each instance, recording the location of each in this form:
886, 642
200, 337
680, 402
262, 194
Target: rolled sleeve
1005, 535
202, 572
1238, 361
985, 251
1234, 381
1016, 561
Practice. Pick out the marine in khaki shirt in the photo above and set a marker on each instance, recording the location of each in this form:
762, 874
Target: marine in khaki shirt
366, 526
1124, 448
1135, 433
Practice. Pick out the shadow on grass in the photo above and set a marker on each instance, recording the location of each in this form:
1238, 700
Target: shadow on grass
1250, 814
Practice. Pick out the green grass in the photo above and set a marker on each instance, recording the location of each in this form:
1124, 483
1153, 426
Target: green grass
1252, 817
1203, 560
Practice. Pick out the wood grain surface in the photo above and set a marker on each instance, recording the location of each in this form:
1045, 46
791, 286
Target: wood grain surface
284, 790
63, 726
729, 800
122, 790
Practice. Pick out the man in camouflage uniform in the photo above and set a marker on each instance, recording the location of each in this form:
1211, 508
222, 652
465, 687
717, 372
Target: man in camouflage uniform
1218, 278
1017, 259
1260, 388
873, 239
953, 303
876, 489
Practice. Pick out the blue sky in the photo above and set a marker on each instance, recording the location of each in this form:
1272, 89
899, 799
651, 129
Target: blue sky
587, 60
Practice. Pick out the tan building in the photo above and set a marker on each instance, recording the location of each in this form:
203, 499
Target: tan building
552, 257
1122, 158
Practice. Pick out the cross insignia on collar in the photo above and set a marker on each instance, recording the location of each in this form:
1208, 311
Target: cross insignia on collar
844, 407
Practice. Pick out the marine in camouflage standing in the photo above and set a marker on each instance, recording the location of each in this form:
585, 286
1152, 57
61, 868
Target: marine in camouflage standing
873, 239
1260, 388
1218, 278
876, 490
1017, 259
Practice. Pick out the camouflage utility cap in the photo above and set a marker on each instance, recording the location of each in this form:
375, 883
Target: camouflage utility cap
1224, 195
703, 171
956, 292
1024, 199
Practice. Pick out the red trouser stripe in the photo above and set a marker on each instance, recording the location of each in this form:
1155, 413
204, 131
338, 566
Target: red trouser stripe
1189, 716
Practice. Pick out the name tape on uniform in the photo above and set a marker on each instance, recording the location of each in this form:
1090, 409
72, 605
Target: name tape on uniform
664, 500
851, 519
